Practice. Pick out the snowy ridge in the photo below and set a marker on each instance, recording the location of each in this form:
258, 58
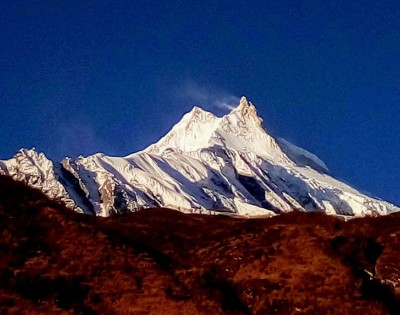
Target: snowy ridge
204, 164
37, 171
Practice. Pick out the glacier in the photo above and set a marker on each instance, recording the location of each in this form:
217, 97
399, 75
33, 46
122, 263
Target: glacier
204, 164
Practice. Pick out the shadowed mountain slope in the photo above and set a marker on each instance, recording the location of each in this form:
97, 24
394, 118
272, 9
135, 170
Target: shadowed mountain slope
160, 261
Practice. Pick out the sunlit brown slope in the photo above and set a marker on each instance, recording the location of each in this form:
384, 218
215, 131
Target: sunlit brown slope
164, 262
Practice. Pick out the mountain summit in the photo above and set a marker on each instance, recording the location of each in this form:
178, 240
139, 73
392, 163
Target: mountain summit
204, 164
240, 130
247, 111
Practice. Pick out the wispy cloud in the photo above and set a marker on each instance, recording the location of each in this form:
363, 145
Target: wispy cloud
77, 137
207, 97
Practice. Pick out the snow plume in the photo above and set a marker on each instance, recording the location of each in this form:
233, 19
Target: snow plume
207, 97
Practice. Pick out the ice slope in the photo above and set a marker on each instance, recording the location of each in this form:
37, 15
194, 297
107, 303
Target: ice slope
204, 164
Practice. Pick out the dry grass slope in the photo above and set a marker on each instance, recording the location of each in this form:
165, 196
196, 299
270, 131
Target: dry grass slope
163, 262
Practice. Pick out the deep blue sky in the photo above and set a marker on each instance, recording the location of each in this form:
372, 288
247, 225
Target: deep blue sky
79, 77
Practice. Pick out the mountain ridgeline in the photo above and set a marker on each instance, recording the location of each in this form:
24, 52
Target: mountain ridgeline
204, 164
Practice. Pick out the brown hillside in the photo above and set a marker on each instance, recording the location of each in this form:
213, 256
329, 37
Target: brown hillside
54, 261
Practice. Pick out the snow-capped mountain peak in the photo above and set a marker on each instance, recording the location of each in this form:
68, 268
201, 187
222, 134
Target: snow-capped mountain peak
204, 163
246, 112
239, 130
242, 130
191, 133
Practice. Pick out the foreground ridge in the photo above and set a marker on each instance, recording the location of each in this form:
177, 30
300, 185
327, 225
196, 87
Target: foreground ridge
204, 164
55, 261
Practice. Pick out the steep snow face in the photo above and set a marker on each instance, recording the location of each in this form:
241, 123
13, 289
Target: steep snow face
205, 164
